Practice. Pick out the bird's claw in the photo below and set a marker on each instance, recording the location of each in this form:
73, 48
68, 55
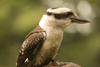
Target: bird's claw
56, 63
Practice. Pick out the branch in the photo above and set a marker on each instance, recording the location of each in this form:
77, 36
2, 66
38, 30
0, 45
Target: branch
64, 64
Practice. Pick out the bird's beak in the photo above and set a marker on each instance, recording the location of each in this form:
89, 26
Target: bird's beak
79, 20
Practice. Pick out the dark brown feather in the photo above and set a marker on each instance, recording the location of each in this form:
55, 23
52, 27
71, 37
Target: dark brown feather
32, 44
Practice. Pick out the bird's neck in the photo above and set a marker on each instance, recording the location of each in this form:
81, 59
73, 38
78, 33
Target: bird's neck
48, 22
51, 29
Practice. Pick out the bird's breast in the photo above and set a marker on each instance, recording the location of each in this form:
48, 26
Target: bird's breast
50, 46
52, 43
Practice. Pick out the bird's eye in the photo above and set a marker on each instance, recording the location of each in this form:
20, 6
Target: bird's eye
68, 14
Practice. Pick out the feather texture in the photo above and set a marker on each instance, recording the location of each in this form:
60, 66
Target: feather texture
30, 47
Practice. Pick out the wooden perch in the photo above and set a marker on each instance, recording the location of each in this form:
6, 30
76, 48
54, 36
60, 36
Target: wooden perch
64, 64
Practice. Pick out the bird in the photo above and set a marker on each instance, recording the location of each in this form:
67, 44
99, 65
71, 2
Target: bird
42, 44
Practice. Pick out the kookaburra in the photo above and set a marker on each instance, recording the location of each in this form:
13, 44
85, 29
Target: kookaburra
42, 44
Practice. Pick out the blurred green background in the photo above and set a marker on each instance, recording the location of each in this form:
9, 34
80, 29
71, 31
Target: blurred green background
81, 42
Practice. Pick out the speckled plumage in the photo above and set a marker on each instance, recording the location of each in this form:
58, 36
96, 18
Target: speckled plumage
30, 47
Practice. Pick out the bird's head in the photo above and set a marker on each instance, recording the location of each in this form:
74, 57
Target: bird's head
61, 17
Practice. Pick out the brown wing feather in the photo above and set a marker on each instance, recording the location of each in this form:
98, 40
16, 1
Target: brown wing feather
30, 47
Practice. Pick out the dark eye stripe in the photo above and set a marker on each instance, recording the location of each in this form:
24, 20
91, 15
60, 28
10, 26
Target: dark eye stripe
60, 16
68, 14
